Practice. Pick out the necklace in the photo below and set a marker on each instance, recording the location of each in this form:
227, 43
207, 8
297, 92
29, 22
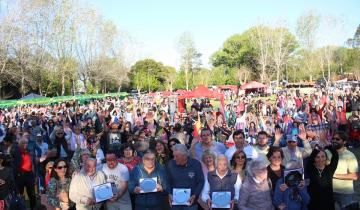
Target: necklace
320, 172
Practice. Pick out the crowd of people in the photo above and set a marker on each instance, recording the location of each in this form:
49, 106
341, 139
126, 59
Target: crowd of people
286, 152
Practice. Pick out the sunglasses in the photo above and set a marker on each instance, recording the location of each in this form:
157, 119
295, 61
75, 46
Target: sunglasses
61, 167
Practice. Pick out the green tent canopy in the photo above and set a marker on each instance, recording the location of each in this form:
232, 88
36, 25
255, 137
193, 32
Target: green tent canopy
58, 99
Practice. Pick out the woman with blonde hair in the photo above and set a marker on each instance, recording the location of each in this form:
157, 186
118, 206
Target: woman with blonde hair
208, 160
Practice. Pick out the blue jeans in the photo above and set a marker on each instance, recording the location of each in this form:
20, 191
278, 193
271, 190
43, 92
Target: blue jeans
343, 200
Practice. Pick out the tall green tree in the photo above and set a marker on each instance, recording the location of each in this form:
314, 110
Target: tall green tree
190, 57
307, 30
152, 74
283, 44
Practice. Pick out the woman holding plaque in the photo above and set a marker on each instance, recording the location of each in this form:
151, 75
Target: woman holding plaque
58, 188
222, 186
148, 182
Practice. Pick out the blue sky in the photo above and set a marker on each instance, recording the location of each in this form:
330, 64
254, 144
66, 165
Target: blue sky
156, 25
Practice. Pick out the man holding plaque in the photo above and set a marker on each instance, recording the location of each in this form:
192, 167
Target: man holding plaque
82, 186
118, 175
149, 183
186, 179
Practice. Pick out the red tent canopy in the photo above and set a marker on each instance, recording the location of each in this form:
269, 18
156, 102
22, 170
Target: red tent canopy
199, 92
180, 92
202, 92
167, 93
253, 85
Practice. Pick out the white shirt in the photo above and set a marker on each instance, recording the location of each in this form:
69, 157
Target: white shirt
129, 117
116, 175
205, 194
249, 150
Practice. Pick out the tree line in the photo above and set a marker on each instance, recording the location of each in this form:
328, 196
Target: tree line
62, 47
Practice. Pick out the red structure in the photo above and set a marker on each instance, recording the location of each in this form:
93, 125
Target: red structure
253, 86
199, 92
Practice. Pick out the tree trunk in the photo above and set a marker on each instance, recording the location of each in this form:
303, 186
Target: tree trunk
62, 83
186, 76
22, 83
262, 75
277, 76
72, 87
329, 71
85, 86
40, 89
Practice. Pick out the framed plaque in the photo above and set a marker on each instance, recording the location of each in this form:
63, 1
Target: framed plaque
148, 185
102, 192
221, 199
181, 196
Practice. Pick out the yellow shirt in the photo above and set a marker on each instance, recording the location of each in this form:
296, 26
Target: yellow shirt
347, 164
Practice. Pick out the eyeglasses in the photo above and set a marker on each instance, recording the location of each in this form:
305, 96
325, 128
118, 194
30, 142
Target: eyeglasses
61, 167
241, 157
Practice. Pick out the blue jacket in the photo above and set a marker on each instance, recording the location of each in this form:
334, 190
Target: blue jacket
188, 176
285, 197
148, 199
